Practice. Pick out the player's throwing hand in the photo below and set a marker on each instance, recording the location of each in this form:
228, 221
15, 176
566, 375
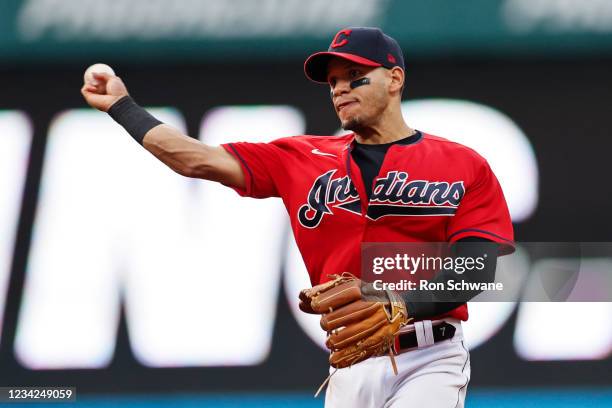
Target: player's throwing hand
103, 91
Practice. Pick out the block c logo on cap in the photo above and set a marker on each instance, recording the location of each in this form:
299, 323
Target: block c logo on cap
339, 42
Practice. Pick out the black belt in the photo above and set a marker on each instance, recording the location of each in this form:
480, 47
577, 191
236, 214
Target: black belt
408, 340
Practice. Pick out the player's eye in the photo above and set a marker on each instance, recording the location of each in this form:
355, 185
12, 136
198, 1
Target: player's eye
332, 82
354, 73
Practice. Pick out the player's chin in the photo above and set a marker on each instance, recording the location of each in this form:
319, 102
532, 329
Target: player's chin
351, 123
347, 119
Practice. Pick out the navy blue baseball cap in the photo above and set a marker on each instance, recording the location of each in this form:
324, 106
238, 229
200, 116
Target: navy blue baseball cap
362, 45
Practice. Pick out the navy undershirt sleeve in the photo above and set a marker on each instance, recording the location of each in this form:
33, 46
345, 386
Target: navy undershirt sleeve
423, 304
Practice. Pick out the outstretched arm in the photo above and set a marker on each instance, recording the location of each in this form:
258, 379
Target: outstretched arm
183, 154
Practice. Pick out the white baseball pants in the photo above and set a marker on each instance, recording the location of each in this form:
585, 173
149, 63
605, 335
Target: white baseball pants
431, 376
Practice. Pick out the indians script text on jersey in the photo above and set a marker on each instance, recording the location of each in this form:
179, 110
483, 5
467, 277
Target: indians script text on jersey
432, 190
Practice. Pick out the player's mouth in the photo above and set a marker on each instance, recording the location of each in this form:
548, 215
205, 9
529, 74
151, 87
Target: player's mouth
345, 105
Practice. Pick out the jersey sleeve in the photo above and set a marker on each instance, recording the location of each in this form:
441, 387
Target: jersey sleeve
483, 213
260, 163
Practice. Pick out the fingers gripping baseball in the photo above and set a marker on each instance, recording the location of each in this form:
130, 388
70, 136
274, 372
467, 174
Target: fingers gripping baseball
102, 89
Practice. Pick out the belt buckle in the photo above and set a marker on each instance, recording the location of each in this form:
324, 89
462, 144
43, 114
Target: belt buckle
446, 332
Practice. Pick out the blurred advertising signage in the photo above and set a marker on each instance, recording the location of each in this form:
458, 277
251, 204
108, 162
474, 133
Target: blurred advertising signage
210, 29
119, 227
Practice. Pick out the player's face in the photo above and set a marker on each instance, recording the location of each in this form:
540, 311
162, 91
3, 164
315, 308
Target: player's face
359, 107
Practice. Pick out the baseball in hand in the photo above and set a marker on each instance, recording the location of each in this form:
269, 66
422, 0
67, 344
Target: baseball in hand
98, 69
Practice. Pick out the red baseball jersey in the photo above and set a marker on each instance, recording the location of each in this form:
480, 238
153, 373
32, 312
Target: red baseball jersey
433, 190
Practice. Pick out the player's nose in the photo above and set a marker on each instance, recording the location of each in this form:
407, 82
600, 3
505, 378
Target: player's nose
341, 87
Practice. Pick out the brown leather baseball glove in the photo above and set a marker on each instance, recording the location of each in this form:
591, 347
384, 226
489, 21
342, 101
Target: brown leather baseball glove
361, 322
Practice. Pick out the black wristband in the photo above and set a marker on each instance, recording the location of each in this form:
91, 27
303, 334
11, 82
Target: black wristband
135, 119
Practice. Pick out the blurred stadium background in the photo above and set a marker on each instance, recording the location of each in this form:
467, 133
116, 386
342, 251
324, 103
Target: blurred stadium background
113, 270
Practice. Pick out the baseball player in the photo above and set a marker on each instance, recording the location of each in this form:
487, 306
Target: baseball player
383, 182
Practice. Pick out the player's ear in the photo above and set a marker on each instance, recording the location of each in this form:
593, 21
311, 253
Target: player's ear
397, 80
